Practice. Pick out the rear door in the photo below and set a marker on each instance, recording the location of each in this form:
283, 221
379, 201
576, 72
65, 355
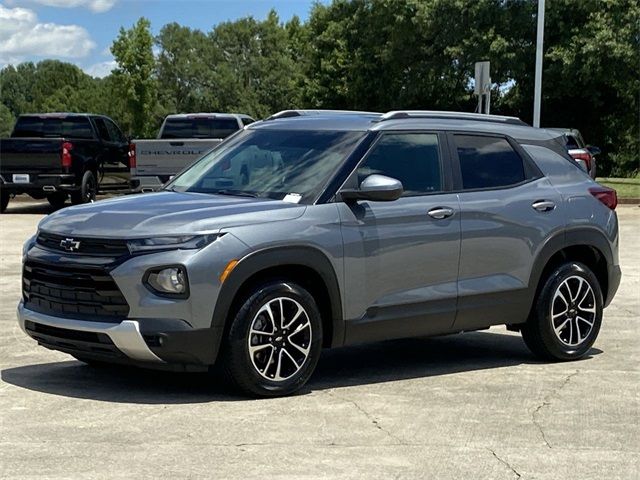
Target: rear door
508, 211
401, 257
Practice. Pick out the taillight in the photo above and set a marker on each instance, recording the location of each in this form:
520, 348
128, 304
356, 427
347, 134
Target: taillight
65, 156
607, 196
132, 156
585, 156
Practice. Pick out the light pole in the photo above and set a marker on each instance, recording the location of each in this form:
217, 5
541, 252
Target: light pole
537, 93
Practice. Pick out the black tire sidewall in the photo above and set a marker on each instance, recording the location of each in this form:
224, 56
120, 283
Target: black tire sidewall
550, 343
4, 200
79, 197
236, 353
57, 199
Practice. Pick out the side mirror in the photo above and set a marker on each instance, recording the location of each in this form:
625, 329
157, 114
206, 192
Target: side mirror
594, 150
377, 188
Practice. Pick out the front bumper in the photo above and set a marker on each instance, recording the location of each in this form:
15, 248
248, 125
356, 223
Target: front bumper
126, 335
156, 343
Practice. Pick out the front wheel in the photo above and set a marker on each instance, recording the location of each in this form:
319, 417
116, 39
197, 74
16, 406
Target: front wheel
567, 314
88, 189
274, 341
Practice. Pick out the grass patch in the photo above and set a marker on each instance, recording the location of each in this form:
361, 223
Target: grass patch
626, 187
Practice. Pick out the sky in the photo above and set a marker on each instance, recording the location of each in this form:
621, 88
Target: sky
81, 31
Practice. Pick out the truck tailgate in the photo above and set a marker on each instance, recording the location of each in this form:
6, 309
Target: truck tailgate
30, 155
168, 157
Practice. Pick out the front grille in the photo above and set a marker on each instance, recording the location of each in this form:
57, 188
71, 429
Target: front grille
87, 293
87, 246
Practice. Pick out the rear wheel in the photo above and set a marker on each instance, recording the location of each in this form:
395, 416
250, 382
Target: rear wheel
88, 189
57, 199
567, 314
274, 341
4, 200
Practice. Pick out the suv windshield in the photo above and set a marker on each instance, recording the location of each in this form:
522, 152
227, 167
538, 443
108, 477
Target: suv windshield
199, 127
270, 164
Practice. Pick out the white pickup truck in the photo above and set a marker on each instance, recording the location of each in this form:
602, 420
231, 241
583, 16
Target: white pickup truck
182, 140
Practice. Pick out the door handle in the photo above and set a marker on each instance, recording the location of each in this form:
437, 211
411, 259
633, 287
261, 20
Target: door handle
440, 212
543, 205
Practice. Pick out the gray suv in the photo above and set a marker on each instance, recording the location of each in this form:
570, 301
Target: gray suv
317, 229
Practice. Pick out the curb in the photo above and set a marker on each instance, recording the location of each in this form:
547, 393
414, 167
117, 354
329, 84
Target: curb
628, 201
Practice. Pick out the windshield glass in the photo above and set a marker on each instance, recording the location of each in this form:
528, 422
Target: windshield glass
199, 127
291, 165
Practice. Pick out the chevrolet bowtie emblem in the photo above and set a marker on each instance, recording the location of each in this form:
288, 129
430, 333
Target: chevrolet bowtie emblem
70, 245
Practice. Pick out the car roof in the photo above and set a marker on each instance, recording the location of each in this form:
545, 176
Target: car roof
406, 121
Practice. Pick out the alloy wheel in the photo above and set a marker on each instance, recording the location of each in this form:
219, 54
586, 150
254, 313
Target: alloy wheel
280, 339
573, 311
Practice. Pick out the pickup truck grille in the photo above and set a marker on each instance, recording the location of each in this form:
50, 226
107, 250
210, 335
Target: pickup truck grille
86, 246
87, 293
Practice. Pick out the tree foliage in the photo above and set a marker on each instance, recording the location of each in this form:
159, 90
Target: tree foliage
369, 55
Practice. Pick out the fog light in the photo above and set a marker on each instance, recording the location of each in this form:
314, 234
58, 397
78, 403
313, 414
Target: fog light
170, 280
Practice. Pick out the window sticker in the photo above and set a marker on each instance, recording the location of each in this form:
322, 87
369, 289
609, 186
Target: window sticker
292, 198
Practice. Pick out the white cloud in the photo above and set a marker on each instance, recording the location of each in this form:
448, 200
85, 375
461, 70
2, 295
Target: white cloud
22, 36
101, 69
97, 6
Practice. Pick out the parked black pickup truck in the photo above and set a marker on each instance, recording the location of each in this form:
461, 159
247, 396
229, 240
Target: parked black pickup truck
57, 155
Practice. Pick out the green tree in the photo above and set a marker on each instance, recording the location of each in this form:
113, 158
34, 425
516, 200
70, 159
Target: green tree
182, 71
7, 121
134, 77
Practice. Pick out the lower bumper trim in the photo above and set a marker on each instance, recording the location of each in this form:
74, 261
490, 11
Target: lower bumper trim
125, 335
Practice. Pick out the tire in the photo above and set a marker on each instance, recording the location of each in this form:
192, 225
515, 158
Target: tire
567, 314
256, 373
4, 200
57, 199
88, 189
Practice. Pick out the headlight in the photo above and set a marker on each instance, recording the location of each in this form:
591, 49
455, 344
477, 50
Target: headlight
185, 242
171, 281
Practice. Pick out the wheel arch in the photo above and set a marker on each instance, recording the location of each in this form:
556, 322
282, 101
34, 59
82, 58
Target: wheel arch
307, 266
586, 245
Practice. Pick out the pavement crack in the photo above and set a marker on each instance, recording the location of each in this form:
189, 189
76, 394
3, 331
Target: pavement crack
374, 421
547, 402
505, 463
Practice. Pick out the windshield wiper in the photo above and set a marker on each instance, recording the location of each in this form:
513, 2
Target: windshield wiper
235, 193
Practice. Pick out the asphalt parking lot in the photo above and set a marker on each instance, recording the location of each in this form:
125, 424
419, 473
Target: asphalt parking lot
467, 406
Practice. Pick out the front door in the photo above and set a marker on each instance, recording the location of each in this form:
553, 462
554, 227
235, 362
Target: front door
401, 257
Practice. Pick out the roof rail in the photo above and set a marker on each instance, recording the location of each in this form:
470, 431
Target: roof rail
304, 113
481, 117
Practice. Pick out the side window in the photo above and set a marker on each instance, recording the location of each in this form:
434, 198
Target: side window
247, 121
488, 162
103, 132
114, 132
412, 158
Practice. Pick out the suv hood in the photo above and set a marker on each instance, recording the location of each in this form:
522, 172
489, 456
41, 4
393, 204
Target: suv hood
166, 213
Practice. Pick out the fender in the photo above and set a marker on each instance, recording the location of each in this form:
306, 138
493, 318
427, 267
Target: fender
577, 236
274, 257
